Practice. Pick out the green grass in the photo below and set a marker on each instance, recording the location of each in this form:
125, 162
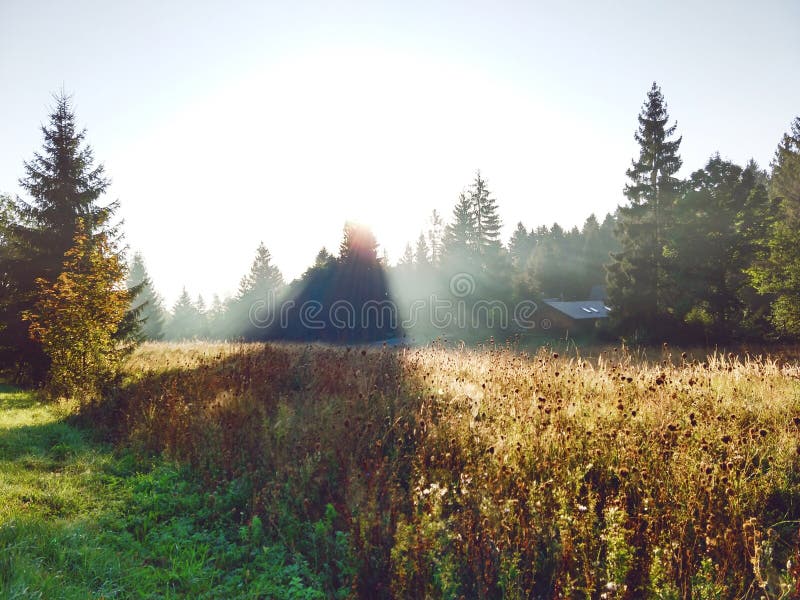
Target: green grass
78, 520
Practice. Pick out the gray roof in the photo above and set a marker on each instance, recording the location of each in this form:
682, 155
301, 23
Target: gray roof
582, 309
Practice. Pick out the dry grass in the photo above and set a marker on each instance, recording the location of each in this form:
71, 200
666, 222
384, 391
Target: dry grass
495, 473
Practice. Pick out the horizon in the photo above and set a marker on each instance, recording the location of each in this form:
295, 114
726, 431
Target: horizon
289, 122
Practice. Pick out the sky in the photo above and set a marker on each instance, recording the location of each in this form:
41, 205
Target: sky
224, 124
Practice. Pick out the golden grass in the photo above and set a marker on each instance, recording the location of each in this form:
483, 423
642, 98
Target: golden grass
493, 472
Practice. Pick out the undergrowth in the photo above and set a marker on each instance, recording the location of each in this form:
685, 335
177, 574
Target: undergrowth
440, 473
492, 473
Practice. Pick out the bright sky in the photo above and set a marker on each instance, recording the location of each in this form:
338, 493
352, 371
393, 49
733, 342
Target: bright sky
223, 124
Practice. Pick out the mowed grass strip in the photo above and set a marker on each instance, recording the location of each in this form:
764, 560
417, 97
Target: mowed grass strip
78, 520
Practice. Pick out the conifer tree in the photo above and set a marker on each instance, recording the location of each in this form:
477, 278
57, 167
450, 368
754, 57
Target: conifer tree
460, 239
639, 277
258, 292
408, 256
217, 319
64, 186
519, 247
421, 253
145, 302
264, 277
323, 258
778, 273
436, 237
487, 220
358, 245
185, 319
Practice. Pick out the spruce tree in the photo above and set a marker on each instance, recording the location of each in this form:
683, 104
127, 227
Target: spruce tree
146, 302
358, 245
436, 237
258, 292
421, 253
263, 278
184, 323
487, 220
519, 247
639, 277
460, 238
408, 257
778, 272
64, 186
323, 258
217, 319
785, 183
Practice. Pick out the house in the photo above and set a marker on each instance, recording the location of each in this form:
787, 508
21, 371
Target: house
575, 316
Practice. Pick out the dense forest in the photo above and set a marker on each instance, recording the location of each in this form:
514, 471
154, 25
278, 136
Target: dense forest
710, 258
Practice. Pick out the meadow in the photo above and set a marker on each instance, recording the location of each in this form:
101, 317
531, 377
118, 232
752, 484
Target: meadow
292, 471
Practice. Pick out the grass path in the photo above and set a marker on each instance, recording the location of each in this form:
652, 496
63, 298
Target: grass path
78, 520
56, 491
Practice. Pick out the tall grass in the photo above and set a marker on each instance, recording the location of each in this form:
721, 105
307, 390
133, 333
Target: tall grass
491, 473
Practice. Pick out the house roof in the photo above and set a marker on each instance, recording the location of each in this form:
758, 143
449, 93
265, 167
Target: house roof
582, 309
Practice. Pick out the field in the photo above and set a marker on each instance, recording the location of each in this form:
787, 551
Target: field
281, 471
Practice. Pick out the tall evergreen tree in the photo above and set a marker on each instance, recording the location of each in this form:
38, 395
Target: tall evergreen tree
639, 277
358, 245
184, 323
257, 296
264, 277
436, 237
520, 247
421, 252
598, 242
217, 319
460, 238
146, 302
487, 220
778, 272
408, 256
785, 183
323, 258
64, 186
202, 317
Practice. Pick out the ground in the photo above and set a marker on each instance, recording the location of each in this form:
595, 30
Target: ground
79, 520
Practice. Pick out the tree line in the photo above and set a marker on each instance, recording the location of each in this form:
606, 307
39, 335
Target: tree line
712, 257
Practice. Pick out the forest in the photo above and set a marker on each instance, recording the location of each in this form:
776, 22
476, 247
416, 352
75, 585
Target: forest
411, 429
708, 259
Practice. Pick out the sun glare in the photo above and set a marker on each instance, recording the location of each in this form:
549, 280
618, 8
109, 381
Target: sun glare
369, 136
